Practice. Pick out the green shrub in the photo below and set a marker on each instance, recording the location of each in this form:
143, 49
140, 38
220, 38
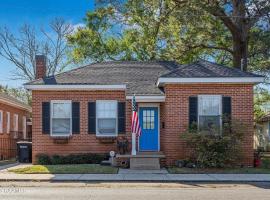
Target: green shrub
87, 158
57, 160
265, 163
213, 148
43, 159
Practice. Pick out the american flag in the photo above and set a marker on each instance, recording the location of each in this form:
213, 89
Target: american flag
135, 124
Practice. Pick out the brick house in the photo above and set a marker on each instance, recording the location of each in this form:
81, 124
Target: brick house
14, 124
91, 106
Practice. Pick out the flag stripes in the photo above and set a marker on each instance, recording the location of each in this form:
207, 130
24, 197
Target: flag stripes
135, 124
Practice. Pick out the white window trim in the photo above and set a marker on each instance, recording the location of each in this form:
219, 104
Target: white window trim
16, 122
24, 126
220, 109
2, 121
8, 122
51, 114
116, 117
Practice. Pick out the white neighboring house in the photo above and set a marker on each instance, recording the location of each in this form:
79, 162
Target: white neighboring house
263, 133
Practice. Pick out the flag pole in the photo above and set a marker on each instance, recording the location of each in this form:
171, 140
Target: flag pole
133, 152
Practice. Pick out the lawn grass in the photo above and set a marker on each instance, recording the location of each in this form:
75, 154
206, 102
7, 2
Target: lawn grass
66, 169
176, 170
7, 162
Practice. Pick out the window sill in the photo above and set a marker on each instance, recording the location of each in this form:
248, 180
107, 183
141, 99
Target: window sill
106, 139
61, 139
60, 136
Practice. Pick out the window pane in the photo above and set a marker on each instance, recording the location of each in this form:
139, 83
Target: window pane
61, 126
209, 105
107, 126
209, 123
106, 109
61, 110
148, 119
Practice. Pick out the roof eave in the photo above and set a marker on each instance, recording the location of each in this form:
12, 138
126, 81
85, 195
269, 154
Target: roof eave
255, 80
17, 105
75, 87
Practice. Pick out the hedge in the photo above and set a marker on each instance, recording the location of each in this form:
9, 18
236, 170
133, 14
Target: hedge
87, 158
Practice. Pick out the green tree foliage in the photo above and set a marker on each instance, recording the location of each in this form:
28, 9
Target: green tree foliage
261, 97
144, 30
176, 30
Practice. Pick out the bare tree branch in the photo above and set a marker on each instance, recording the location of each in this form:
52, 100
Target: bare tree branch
21, 50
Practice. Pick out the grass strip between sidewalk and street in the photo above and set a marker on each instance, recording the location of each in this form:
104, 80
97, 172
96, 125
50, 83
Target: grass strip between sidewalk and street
175, 170
66, 169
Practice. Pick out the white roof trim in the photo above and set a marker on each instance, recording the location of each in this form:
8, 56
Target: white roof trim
75, 87
147, 98
162, 81
16, 105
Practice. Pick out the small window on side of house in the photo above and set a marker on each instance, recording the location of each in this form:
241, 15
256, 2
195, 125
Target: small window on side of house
15, 122
24, 126
1, 121
209, 113
61, 118
8, 122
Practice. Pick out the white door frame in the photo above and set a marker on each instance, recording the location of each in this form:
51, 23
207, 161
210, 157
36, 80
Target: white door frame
150, 105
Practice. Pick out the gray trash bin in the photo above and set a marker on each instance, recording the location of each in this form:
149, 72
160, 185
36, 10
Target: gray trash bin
24, 150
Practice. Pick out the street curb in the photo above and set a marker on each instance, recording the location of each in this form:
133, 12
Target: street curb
136, 181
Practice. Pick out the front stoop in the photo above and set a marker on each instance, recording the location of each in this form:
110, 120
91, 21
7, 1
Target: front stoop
139, 163
144, 160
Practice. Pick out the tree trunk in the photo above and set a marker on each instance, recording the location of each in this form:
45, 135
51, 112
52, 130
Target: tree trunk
240, 35
240, 53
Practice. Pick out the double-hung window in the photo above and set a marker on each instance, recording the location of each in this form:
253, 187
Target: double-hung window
8, 122
24, 126
15, 122
209, 112
1, 121
61, 118
106, 118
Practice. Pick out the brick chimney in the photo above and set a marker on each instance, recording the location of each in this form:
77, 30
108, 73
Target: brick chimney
40, 66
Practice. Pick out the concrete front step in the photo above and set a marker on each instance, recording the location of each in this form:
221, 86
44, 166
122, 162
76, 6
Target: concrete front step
140, 163
144, 160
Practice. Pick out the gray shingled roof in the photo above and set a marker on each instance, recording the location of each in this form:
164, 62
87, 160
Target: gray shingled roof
140, 77
202, 69
7, 98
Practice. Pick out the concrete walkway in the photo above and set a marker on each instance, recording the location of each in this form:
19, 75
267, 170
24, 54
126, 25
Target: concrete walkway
132, 175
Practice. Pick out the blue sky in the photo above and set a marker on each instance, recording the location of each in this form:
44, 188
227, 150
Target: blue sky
14, 13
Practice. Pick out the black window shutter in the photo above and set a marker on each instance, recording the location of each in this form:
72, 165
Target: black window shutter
193, 110
75, 117
226, 108
92, 117
46, 111
121, 117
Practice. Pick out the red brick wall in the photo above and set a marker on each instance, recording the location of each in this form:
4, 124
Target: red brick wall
173, 113
176, 115
5, 144
79, 143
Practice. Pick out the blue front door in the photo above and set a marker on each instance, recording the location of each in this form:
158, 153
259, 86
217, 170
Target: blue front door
149, 138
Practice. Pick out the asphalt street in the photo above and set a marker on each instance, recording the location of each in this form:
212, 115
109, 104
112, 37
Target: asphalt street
133, 191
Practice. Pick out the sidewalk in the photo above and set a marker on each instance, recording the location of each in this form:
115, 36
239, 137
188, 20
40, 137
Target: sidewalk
134, 175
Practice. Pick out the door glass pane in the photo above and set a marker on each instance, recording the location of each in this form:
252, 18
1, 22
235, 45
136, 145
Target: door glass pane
148, 119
